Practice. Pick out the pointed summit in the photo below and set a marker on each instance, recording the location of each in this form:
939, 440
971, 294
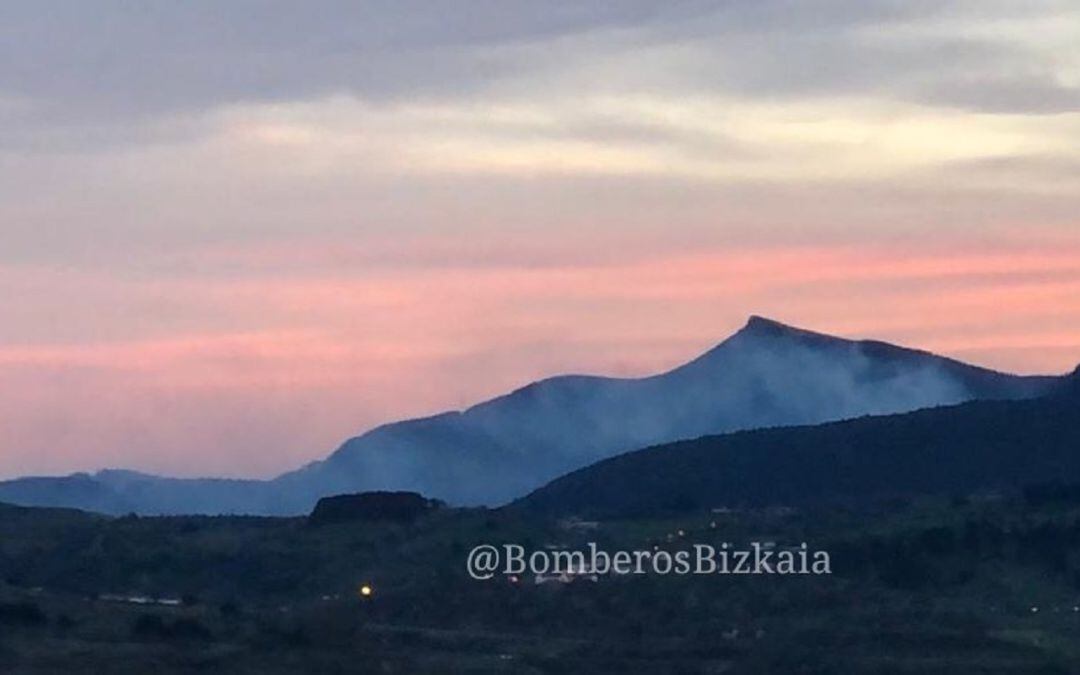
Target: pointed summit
761, 331
760, 325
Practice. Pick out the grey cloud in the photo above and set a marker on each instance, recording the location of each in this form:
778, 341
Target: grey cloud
782, 50
124, 56
1036, 93
112, 62
1042, 171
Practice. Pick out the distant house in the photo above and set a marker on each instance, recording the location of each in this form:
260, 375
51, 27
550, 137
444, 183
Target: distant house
576, 572
576, 524
780, 511
140, 600
567, 577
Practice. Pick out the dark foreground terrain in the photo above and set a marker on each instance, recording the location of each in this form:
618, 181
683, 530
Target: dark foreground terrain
963, 584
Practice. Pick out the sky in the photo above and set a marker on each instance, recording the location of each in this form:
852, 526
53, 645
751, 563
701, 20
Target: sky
234, 234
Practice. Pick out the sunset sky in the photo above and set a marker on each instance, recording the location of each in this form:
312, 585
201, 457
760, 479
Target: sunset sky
234, 234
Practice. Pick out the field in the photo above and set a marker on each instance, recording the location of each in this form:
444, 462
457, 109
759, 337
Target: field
958, 585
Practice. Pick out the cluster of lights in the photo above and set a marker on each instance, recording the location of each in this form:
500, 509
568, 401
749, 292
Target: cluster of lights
1075, 609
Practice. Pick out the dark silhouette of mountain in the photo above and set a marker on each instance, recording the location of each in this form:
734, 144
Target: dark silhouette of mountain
766, 375
80, 491
118, 492
972, 447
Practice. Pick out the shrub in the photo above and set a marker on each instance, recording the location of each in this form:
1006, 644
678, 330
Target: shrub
21, 614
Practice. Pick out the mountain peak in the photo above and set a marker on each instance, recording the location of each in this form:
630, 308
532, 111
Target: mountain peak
763, 327
766, 326
758, 331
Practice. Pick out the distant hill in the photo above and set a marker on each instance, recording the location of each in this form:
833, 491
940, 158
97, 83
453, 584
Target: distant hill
120, 492
975, 446
766, 375
402, 507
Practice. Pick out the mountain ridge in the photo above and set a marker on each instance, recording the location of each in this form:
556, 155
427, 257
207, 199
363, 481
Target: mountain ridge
979, 445
767, 374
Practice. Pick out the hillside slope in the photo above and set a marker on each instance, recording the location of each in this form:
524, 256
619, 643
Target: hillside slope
766, 375
976, 446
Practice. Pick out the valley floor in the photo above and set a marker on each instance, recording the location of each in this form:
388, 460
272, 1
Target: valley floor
934, 586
